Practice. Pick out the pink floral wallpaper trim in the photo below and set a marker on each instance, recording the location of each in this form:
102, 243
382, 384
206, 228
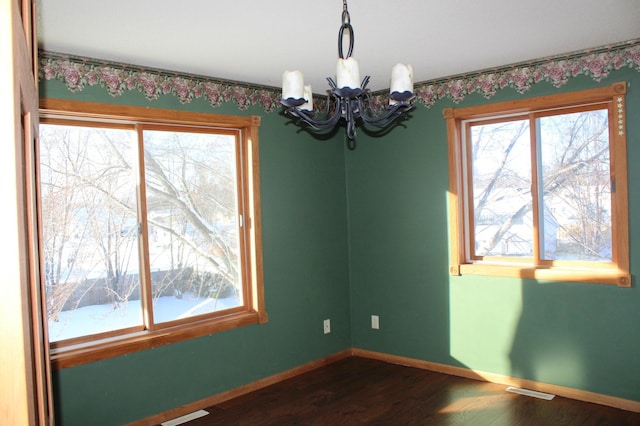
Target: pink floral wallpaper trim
78, 72
594, 63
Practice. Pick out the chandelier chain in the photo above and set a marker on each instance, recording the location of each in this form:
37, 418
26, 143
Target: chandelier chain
346, 26
346, 18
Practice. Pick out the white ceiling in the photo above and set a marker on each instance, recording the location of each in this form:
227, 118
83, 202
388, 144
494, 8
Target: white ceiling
256, 40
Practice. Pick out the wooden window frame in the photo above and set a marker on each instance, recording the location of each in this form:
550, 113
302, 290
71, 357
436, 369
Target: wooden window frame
93, 348
461, 262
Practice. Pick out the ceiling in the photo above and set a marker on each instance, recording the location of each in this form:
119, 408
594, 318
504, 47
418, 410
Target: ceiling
255, 41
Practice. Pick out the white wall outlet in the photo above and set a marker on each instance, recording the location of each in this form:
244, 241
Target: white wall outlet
327, 326
375, 322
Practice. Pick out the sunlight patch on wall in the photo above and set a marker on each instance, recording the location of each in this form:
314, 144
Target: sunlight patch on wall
484, 317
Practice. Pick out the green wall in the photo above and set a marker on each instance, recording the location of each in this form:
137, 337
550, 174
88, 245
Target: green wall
348, 234
305, 274
583, 336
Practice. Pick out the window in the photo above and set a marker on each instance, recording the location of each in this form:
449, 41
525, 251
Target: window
150, 227
538, 188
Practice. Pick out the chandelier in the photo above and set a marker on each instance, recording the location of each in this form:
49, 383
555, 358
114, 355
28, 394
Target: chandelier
348, 99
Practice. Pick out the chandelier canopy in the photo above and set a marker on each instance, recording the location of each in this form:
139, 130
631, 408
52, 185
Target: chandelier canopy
348, 98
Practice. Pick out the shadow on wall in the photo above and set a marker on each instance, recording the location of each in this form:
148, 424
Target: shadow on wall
579, 335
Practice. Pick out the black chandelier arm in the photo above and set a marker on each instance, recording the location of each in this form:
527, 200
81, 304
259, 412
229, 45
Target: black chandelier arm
307, 117
390, 115
351, 112
350, 105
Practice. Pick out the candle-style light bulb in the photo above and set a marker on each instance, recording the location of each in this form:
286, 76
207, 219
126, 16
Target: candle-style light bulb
401, 80
308, 97
292, 85
348, 73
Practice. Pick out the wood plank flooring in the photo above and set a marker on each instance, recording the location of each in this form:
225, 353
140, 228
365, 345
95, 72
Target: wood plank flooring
359, 391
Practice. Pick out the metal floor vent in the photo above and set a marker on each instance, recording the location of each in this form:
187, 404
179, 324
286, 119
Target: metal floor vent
187, 417
532, 393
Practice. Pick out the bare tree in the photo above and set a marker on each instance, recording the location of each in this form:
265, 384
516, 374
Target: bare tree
190, 192
91, 216
83, 190
573, 178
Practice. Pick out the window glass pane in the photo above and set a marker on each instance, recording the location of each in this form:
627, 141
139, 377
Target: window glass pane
501, 189
89, 229
192, 214
575, 181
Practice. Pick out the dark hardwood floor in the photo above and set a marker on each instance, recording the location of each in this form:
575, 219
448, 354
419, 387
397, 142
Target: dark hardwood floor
359, 391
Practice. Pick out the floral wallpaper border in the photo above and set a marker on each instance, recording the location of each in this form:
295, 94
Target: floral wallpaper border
595, 63
78, 72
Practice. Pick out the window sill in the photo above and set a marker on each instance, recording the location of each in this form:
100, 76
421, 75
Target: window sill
71, 356
584, 275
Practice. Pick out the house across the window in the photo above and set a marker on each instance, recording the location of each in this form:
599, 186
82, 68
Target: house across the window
150, 228
538, 188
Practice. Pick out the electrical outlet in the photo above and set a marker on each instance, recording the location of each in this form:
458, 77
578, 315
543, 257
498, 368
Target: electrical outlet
327, 326
375, 322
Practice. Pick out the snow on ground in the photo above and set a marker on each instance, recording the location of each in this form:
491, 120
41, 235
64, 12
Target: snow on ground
99, 318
